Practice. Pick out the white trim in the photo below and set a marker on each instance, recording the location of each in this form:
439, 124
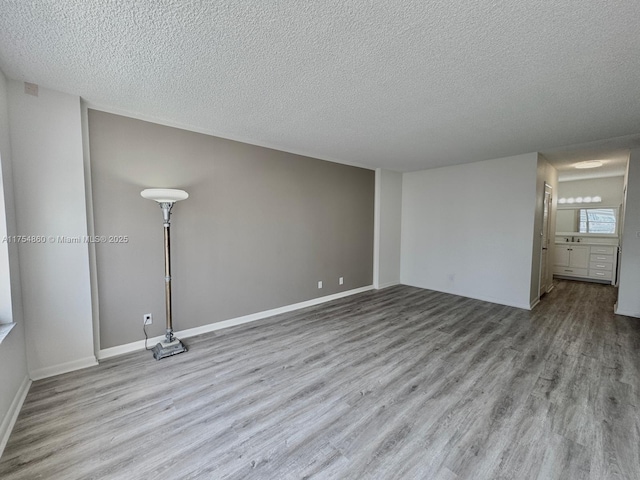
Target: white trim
67, 367
627, 314
388, 284
12, 415
376, 229
5, 328
534, 303
192, 332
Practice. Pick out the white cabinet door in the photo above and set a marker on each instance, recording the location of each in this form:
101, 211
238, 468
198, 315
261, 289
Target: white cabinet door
579, 257
561, 256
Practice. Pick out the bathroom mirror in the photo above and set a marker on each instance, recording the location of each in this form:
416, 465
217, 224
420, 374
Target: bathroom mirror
587, 221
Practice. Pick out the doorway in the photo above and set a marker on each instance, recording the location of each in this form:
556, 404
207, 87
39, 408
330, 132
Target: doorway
545, 283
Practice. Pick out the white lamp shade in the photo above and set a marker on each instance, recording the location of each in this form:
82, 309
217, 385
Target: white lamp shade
164, 195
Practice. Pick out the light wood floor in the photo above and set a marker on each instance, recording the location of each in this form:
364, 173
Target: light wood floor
399, 383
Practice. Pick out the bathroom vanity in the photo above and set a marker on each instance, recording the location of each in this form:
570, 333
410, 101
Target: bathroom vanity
585, 260
586, 244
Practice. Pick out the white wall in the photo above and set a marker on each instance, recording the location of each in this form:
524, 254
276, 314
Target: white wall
468, 229
46, 140
388, 221
14, 380
609, 188
629, 286
6, 313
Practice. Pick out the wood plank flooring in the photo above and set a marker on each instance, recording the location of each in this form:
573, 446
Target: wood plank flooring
399, 383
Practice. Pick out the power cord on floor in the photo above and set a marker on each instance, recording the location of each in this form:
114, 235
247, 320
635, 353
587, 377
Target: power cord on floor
144, 329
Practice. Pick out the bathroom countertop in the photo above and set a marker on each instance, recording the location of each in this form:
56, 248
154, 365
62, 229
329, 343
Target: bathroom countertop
588, 244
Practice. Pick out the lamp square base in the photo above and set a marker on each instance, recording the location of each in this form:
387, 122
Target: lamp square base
164, 349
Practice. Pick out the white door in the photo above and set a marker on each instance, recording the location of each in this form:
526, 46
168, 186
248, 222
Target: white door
545, 278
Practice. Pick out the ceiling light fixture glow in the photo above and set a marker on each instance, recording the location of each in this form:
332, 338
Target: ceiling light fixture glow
571, 200
589, 164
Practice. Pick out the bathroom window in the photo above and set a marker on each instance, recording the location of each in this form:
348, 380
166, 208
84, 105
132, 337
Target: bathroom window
597, 220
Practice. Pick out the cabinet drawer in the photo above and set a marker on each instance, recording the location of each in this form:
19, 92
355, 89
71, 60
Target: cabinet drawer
604, 250
601, 266
597, 257
604, 275
571, 272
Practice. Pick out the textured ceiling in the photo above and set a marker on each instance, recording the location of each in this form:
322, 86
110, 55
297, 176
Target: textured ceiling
613, 153
404, 85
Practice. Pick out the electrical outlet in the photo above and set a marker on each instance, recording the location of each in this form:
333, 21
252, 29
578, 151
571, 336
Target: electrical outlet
340, 280
147, 318
320, 284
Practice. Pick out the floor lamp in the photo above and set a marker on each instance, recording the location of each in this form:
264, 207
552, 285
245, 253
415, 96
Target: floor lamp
166, 197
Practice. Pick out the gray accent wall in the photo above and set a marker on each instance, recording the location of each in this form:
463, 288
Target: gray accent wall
259, 230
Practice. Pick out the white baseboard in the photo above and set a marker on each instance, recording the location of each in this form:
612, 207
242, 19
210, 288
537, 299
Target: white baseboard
626, 314
192, 332
12, 415
388, 284
534, 303
67, 367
